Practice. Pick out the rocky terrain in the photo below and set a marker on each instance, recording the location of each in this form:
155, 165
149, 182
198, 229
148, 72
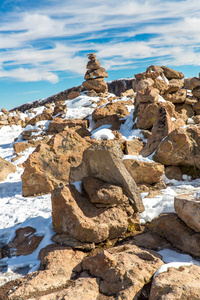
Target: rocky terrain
98, 180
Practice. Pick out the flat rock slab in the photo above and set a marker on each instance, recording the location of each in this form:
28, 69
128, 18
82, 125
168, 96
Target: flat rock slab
188, 209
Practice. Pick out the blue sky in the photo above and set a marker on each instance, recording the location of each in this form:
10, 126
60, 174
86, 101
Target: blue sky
44, 44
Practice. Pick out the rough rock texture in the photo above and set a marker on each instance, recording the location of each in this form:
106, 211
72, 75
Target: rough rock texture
180, 147
149, 94
173, 172
6, 168
144, 172
57, 263
25, 242
73, 95
58, 124
107, 166
172, 74
117, 108
188, 209
177, 97
75, 215
48, 166
133, 147
174, 284
191, 83
177, 232
118, 269
97, 84
161, 128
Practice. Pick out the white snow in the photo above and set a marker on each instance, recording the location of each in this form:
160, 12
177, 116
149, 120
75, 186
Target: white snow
139, 157
17, 211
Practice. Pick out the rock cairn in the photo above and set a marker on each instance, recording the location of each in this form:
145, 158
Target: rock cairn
94, 77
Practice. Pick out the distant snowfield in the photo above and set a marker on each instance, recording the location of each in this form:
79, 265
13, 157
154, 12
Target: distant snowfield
17, 211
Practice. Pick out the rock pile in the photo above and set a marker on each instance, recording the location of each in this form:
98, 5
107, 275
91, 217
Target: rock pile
94, 77
8, 119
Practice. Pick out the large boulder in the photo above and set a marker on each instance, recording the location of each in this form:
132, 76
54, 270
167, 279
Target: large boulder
77, 216
180, 147
177, 97
97, 84
104, 164
187, 208
176, 283
59, 124
143, 171
117, 108
148, 94
191, 83
177, 232
171, 73
123, 270
48, 166
6, 168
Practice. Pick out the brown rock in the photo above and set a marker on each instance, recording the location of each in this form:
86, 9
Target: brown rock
188, 209
181, 147
75, 215
160, 85
123, 270
154, 68
144, 172
20, 147
161, 128
129, 93
6, 168
196, 92
191, 83
107, 166
112, 109
153, 75
149, 94
48, 166
177, 97
175, 85
144, 83
73, 95
196, 119
103, 193
196, 108
181, 283
173, 172
64, 239
25, 242
46, 115
172, 74
59, 124
184, 111
97, 84
133, 147
177, 232
98, 73
93, 64
57, 263
147, 113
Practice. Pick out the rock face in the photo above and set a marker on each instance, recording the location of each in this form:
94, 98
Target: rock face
6, 168
183, 237
118, 270
94, 77
188, 209
181, 283
180, 147
105, 165
48, 166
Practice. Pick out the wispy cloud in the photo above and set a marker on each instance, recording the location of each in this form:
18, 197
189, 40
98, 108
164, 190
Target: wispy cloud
37, 43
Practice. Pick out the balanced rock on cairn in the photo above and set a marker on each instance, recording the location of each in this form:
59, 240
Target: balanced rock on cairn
94, 77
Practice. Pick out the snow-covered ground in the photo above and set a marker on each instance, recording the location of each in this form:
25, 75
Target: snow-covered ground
17, 211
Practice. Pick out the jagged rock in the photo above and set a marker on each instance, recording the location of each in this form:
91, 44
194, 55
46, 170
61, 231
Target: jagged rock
6, 168
144, 172
175, 85
82, 288
154, 68
173, 172
46, 115
149, 94
20, 147
105, 165
161, 128
172, 74
161, 85
112, 109
58, 125
196, 92
177, 232
99, 73
196, 119
66, 240
188, 209
153, 75
173, 284
191, 83
73, 95
93, 64
60, 108
103, 193
184, 111
180, 147
146, 113
57, 264
118, 269
48, 166
177, 97
143, 84
25, 241
73, 214
129, 94
97, 84
133, 147
196, 108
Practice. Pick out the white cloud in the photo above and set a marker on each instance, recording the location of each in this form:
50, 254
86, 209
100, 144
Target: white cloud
53, 38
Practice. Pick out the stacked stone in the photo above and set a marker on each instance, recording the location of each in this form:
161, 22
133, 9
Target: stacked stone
94, 77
